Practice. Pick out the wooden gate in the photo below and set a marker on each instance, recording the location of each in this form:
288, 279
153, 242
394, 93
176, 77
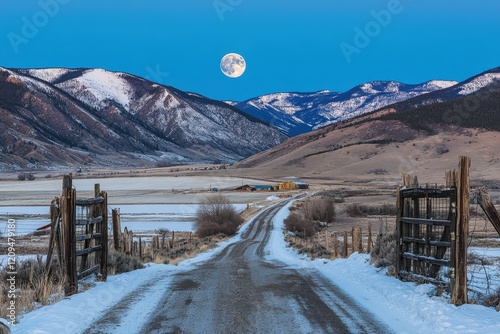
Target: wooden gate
427, 219
79, 230
432, 228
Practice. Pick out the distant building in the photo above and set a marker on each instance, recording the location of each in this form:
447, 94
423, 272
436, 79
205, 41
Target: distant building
245, 187
292, 185
263, 187
257, 187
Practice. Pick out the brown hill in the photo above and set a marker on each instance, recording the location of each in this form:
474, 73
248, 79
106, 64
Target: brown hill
425, 141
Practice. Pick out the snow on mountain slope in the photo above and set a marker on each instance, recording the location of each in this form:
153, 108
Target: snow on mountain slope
114, 118
49, 75
98, 86
297, 113
479, 82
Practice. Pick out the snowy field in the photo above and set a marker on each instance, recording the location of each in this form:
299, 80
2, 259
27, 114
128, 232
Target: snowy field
405, 307
146, 217
130, 190
130, 183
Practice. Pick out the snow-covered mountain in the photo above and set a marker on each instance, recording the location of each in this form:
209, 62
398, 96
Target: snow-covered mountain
486, 81
296, 113
52, 117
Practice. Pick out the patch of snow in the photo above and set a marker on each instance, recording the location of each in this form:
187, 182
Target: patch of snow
102, 85
439, 84
479, 82
48, 74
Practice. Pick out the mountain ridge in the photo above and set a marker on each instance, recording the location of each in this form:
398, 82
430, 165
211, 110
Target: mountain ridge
98, 117
296, 113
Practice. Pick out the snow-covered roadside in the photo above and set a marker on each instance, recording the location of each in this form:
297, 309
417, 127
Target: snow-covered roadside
74, 314
406, 307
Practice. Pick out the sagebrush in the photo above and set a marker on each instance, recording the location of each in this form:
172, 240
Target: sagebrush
299, 225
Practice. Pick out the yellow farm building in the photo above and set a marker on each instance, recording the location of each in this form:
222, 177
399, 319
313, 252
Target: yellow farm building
292, 185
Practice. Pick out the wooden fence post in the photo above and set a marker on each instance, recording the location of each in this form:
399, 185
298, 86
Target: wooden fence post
356, 231
489, 209
116, 229
68, 214
104, 236
335, 245
326, 238
459, 293
140, 248
399, 232
360, 240
369, 245
126, 243
380, 233
346, 249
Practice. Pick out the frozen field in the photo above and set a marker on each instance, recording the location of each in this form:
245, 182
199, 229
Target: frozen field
130, 190
145, 217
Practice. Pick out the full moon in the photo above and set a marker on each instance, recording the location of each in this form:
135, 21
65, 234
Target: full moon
233, 65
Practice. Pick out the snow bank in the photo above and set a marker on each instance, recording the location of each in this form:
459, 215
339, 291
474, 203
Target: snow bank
405, 307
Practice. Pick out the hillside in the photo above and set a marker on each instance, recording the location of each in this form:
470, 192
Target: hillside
297, 113
62, 117
426, 140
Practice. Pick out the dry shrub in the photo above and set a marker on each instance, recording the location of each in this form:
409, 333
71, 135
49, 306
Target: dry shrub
216, 215
383, 253
320, 208
493, 300
361, 210
121, 263
32, 288
300, 226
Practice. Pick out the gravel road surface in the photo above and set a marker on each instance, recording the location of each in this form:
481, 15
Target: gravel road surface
238, 291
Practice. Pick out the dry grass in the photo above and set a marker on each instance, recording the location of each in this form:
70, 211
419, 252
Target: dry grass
32, 288
119, 262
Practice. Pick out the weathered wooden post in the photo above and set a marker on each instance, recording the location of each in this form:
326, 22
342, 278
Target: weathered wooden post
335, 245
327, 241
360, 240
140, 248
459, 293
399, 230
116, 229
104, 236
369, 245
380, 233
68, 215
126, 242
356, 232
346, 249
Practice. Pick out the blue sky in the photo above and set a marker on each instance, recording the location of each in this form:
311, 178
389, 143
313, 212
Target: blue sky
288, 45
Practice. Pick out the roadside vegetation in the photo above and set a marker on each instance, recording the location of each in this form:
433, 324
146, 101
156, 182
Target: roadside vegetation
216, 215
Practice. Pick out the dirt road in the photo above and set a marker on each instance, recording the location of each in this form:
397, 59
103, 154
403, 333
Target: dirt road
238, 291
